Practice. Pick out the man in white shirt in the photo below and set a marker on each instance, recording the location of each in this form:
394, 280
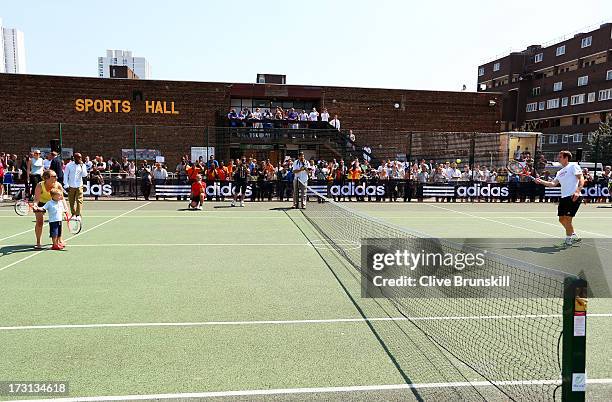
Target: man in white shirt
335, 122
301, 168
314, 115
74, 173
324, 115
47, 161
572, 181
367, 154
88, 163
452, 173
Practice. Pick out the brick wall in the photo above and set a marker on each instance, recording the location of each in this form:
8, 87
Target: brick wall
372, 115
31, 106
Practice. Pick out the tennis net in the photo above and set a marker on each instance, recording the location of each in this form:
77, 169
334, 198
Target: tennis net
511, 337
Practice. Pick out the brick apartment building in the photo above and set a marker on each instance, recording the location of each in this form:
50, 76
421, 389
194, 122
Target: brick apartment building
106, 117
563, 90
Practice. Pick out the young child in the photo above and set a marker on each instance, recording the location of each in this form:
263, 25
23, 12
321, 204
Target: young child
56, 208
198, 191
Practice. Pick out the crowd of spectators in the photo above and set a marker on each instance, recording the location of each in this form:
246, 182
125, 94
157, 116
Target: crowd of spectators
267, 118
402, 180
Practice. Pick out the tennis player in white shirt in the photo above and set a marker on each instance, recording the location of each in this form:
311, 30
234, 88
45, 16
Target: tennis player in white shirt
572, 181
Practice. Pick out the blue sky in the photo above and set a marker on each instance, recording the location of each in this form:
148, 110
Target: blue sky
383, 43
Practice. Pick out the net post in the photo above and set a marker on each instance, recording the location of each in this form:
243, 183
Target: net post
573, 365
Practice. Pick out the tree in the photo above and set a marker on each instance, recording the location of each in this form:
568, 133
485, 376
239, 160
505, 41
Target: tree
601, 144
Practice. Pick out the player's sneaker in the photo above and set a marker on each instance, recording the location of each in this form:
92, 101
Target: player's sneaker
241, 203
564, 244
233, 203
199, 208
575, 239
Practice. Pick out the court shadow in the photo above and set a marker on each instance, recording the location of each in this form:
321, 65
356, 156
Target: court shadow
18, 248
281, 209
539, 250
223, 206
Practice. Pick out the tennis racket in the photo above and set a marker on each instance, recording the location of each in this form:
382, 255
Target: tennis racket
520, 169
74, 223
22, 207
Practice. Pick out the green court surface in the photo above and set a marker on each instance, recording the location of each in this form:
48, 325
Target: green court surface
237, 303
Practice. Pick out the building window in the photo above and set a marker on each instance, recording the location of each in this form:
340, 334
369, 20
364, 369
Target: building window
541, 105
605, 94
578, 137
582, 81
553, 139
552, 103
481, 71
564, 101
496, 67
532, 107
565, 138
591, 136
586, 42
538, 57
577, 99
609, 75
591, 97
557, 86
535, 91
560, 50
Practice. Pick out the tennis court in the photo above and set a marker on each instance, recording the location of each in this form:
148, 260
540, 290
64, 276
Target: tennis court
246, 304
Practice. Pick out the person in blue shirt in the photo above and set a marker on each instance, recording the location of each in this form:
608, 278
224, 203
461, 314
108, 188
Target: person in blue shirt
212, 162
56, 208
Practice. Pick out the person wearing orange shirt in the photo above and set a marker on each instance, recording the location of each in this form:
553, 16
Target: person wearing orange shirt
230, 169
193, 171
198, 189
221, 173
354, 175
221, 178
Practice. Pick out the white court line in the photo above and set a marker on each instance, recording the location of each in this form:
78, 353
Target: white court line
559, 226
289, 322
287, 391
493, 220
77, 235
17, 234
198, 216
185, 245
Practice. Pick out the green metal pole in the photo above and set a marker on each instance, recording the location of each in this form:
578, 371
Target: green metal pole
597, 156
207, 145
135, 167
60, 138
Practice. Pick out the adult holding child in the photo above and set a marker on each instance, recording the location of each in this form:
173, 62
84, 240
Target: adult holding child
42, 195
